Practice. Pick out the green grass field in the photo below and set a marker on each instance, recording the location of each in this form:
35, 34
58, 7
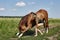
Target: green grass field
9, 28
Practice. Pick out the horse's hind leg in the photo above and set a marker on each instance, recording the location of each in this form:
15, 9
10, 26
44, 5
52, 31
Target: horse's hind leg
46, 26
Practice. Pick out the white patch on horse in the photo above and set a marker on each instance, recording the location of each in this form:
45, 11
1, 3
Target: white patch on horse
47, 30
20, 35
17, 34
40, 31
40, 24
35, 32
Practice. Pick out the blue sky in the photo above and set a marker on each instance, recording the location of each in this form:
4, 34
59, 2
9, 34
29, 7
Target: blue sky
23, 7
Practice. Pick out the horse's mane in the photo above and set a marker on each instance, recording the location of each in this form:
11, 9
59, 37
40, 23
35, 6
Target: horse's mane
28, 15
25, 18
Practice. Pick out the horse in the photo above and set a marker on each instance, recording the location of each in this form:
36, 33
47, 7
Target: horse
27, 22
42, 17
33, 19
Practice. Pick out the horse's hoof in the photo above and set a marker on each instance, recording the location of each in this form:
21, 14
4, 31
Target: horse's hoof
46, 32
17, 34
41, 33
19, 37
35, 35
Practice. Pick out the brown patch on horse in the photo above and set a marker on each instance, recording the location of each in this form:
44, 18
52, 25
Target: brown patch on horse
27, 22
42, 16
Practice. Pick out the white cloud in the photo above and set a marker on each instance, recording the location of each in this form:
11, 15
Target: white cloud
2, 9
21, 3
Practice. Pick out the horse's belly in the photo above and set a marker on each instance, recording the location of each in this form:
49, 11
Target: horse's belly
40, 21
33, 23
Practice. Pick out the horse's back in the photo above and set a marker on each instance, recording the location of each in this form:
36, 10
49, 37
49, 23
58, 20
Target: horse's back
42, 13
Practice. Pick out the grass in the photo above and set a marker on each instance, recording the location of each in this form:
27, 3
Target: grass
8, 27
8, 30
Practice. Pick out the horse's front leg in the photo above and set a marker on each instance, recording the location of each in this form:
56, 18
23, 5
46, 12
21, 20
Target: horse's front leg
17, 34
46, 30
40, 24
40, 31
46, 27
20, 35
35, 32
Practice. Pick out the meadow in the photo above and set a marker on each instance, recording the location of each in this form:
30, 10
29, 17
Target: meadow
9, 28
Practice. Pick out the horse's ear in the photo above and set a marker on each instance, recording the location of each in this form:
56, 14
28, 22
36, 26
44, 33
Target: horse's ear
33, 13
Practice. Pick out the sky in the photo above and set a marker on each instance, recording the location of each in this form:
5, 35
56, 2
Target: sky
23, 7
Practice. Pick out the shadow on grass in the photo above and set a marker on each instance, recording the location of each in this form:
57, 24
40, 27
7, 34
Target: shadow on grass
29, 33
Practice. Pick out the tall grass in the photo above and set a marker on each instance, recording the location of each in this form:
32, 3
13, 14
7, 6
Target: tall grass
54, 20
9, 28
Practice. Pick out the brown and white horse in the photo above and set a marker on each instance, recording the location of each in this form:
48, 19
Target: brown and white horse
42, 17
33, 19
27, 22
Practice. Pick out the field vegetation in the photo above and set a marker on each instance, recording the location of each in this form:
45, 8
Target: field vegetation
9, 28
